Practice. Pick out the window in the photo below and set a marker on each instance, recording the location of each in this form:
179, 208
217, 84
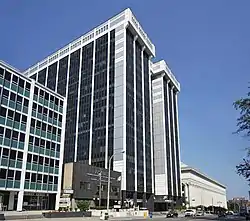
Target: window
15, 135
54, 130
31, 139
17, 117
22, 137
45, 178
19, 99
50, 113
27, 86
46, 96
33, 122
34, 106
52, 98
36, 141
18, 175
40, 160
60, 118
7, 75
56, 101
45, 111
8, 133
41, 93
53, 146
51, 163
33, 177
5, 153
38, 124
55, 180
51, 179
5, 93
12, 96
35, 158
42, 143
46, 161
12, 154
36, 91
39, 178
10, 114
3, 111
20, 155
48, 145
44, 126
24, 119
57, 163
27, 176
10, 174
29, 157
1, 131
26, 102
21, 83
3, 173
14, 79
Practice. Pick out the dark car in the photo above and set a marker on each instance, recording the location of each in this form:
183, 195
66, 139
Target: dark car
222, 214
172, 214
247, 216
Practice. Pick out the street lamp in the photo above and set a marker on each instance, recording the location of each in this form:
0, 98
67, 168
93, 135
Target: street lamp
109, 178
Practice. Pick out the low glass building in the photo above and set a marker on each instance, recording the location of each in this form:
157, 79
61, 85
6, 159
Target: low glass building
32, 120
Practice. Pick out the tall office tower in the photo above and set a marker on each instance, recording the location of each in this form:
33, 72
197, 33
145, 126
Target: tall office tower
104, 75
165, 90
32, 123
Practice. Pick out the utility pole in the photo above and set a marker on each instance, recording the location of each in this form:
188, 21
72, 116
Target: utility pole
100, 188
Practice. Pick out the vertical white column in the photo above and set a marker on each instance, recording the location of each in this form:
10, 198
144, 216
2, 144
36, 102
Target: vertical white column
174, 147
92, 101
144, 131
57, 72
124, 185
58, 195
107, 107
25, 151
164, 132
151, 125
135, 123
170, 138
78, 104
47, 72
178, 132
11, 200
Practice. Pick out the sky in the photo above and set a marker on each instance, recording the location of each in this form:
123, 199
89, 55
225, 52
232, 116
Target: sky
205, 43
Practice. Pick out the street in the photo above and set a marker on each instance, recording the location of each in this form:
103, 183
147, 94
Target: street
158, 218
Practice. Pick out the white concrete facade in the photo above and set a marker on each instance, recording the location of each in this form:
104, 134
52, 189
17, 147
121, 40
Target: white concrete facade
165, 90
200, 190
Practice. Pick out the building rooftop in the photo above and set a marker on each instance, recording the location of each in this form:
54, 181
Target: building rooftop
100, 30
161, 67
187, 169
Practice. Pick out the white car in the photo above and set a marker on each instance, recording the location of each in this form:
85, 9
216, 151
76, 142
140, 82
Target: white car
190, 212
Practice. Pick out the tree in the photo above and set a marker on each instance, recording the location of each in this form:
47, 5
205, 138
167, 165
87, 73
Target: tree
243, 124
83, 205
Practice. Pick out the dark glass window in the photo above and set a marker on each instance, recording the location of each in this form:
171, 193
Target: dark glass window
62, 76
42, 76
14, 79
29, 157
7, 75
3, 111
70, 129
51, 80
20, 155
21, 83
18, 175
3, 173
27, 86
130, 142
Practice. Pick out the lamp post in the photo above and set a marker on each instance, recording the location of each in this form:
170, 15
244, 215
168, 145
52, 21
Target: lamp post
109, 179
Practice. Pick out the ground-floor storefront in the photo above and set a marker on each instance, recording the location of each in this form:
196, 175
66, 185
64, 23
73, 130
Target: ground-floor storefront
11, 200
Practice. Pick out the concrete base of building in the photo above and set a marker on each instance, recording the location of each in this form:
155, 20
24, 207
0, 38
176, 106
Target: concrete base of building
20, 200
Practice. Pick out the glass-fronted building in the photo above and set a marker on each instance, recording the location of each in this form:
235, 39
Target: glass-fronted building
32, 120
105, 78
165, 89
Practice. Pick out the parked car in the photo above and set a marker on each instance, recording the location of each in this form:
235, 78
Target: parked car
221, 214
172, 214
199, 213
190, 212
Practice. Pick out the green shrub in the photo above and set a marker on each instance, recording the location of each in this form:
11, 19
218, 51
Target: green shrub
83, 205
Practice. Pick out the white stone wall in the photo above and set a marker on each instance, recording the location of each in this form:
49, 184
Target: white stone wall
200, 191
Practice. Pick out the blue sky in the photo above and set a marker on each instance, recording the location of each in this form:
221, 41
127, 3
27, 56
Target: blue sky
206, 44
